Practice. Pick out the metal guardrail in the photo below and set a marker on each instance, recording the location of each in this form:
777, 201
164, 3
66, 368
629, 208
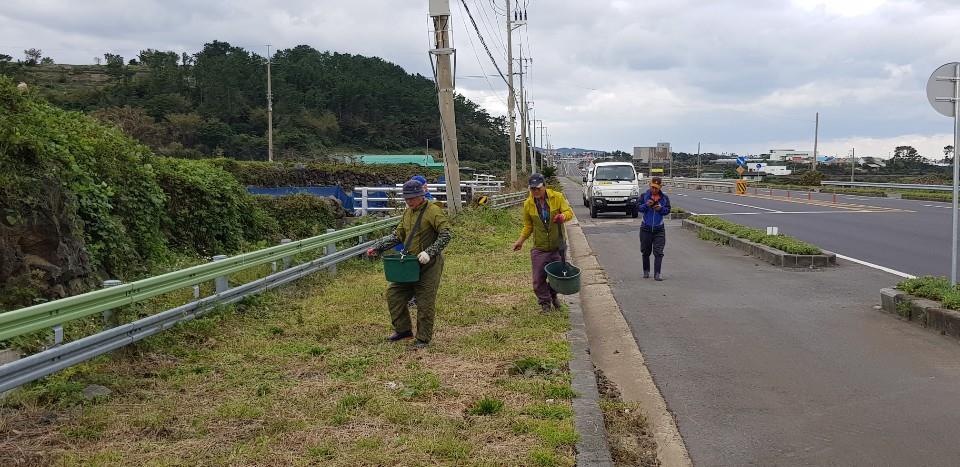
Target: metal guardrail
889, 186
46, 315
705, 184
509, 199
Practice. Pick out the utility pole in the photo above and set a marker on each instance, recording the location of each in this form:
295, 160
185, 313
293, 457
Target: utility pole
269, 109
698, 159
816, 137
511, 98
853, 163
533, 137
440, 11
523, 121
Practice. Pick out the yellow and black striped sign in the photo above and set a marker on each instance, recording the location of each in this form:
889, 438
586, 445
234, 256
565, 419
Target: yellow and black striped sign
741, 187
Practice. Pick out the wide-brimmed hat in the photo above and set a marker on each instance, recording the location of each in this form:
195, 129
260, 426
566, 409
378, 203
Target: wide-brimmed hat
412, 189
536, 181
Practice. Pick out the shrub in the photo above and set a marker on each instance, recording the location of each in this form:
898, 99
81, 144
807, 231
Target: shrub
299, 216
811, 178
208, 211
77, 194
930, 287
781, 242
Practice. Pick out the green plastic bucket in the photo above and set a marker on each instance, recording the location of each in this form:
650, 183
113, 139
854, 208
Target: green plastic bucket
568, 284
401, 268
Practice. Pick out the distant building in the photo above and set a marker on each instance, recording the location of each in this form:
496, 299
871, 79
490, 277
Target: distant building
792, 155
658, 154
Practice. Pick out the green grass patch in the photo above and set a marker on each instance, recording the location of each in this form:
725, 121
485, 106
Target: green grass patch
486, 406
303, 376
932, 288
781, 242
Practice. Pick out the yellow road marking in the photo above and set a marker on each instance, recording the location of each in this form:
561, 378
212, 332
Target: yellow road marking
830, 204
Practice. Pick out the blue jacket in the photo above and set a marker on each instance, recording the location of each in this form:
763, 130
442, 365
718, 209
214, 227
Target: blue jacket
652, 217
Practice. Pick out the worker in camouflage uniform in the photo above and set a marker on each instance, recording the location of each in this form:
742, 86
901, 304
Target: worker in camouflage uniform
427, 241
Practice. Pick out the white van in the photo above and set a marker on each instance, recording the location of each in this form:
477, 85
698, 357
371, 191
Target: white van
612, 186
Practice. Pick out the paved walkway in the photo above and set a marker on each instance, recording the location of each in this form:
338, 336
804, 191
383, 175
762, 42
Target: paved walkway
764, 366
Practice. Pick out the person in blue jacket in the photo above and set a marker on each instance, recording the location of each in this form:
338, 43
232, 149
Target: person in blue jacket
655, 206
423, 181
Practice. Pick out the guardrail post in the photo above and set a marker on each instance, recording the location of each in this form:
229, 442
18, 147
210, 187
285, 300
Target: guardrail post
364, 203
220, 283
196, 291
286, 260
329, 250
834, 198
109, 320
57, 335
788, 194
809, 195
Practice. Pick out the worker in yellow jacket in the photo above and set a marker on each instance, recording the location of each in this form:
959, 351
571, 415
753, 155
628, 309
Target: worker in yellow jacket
544, 213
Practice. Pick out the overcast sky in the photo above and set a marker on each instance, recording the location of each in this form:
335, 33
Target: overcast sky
737, 75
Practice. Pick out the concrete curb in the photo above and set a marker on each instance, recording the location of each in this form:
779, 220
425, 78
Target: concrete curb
592, 446
766, 253
926, 313
613, 349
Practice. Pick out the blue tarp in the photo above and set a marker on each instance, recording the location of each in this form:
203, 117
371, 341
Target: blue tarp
331, 191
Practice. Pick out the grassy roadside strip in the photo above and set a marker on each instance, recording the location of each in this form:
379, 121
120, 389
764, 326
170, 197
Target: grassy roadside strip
927, 196
933, 288
781, 242
302, 376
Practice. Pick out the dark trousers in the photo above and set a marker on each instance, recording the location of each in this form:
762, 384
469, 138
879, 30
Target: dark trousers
541, 288
399, 295
652, 240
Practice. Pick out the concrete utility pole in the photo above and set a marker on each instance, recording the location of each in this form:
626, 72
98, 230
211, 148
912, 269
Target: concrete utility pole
440, 11
511, 98
853, 163
269, 109
523, 122
816, 138
698, 159
531, 122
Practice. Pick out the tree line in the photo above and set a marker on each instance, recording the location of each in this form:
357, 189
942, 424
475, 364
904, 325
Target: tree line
213, 103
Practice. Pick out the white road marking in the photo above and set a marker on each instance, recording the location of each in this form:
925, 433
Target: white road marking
935, 206
864, 211
739, 204
877, 266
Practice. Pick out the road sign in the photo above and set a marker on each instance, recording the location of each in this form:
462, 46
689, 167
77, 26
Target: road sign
741, 170
943, 92
759, 166
940, 87
741, 160
741, 186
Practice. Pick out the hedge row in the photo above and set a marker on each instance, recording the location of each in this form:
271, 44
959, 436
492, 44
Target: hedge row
285, 174
80, 202
933, 288
927, 196
780, 242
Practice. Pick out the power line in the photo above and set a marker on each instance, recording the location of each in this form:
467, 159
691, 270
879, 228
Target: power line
491, 26
482, 41
480, 64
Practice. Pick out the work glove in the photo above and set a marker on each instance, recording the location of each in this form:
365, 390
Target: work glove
371, 252
423, 257
559, 219
650, 202
657, 207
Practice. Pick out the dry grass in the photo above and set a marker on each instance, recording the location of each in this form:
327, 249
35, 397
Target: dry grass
302, 376
628, 431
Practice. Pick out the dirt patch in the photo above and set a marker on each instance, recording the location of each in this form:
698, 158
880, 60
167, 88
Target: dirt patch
628, 432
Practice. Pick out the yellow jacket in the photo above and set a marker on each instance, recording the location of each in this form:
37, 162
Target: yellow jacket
545, 237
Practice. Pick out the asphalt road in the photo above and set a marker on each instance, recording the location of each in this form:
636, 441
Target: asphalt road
908, 236
765, 366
